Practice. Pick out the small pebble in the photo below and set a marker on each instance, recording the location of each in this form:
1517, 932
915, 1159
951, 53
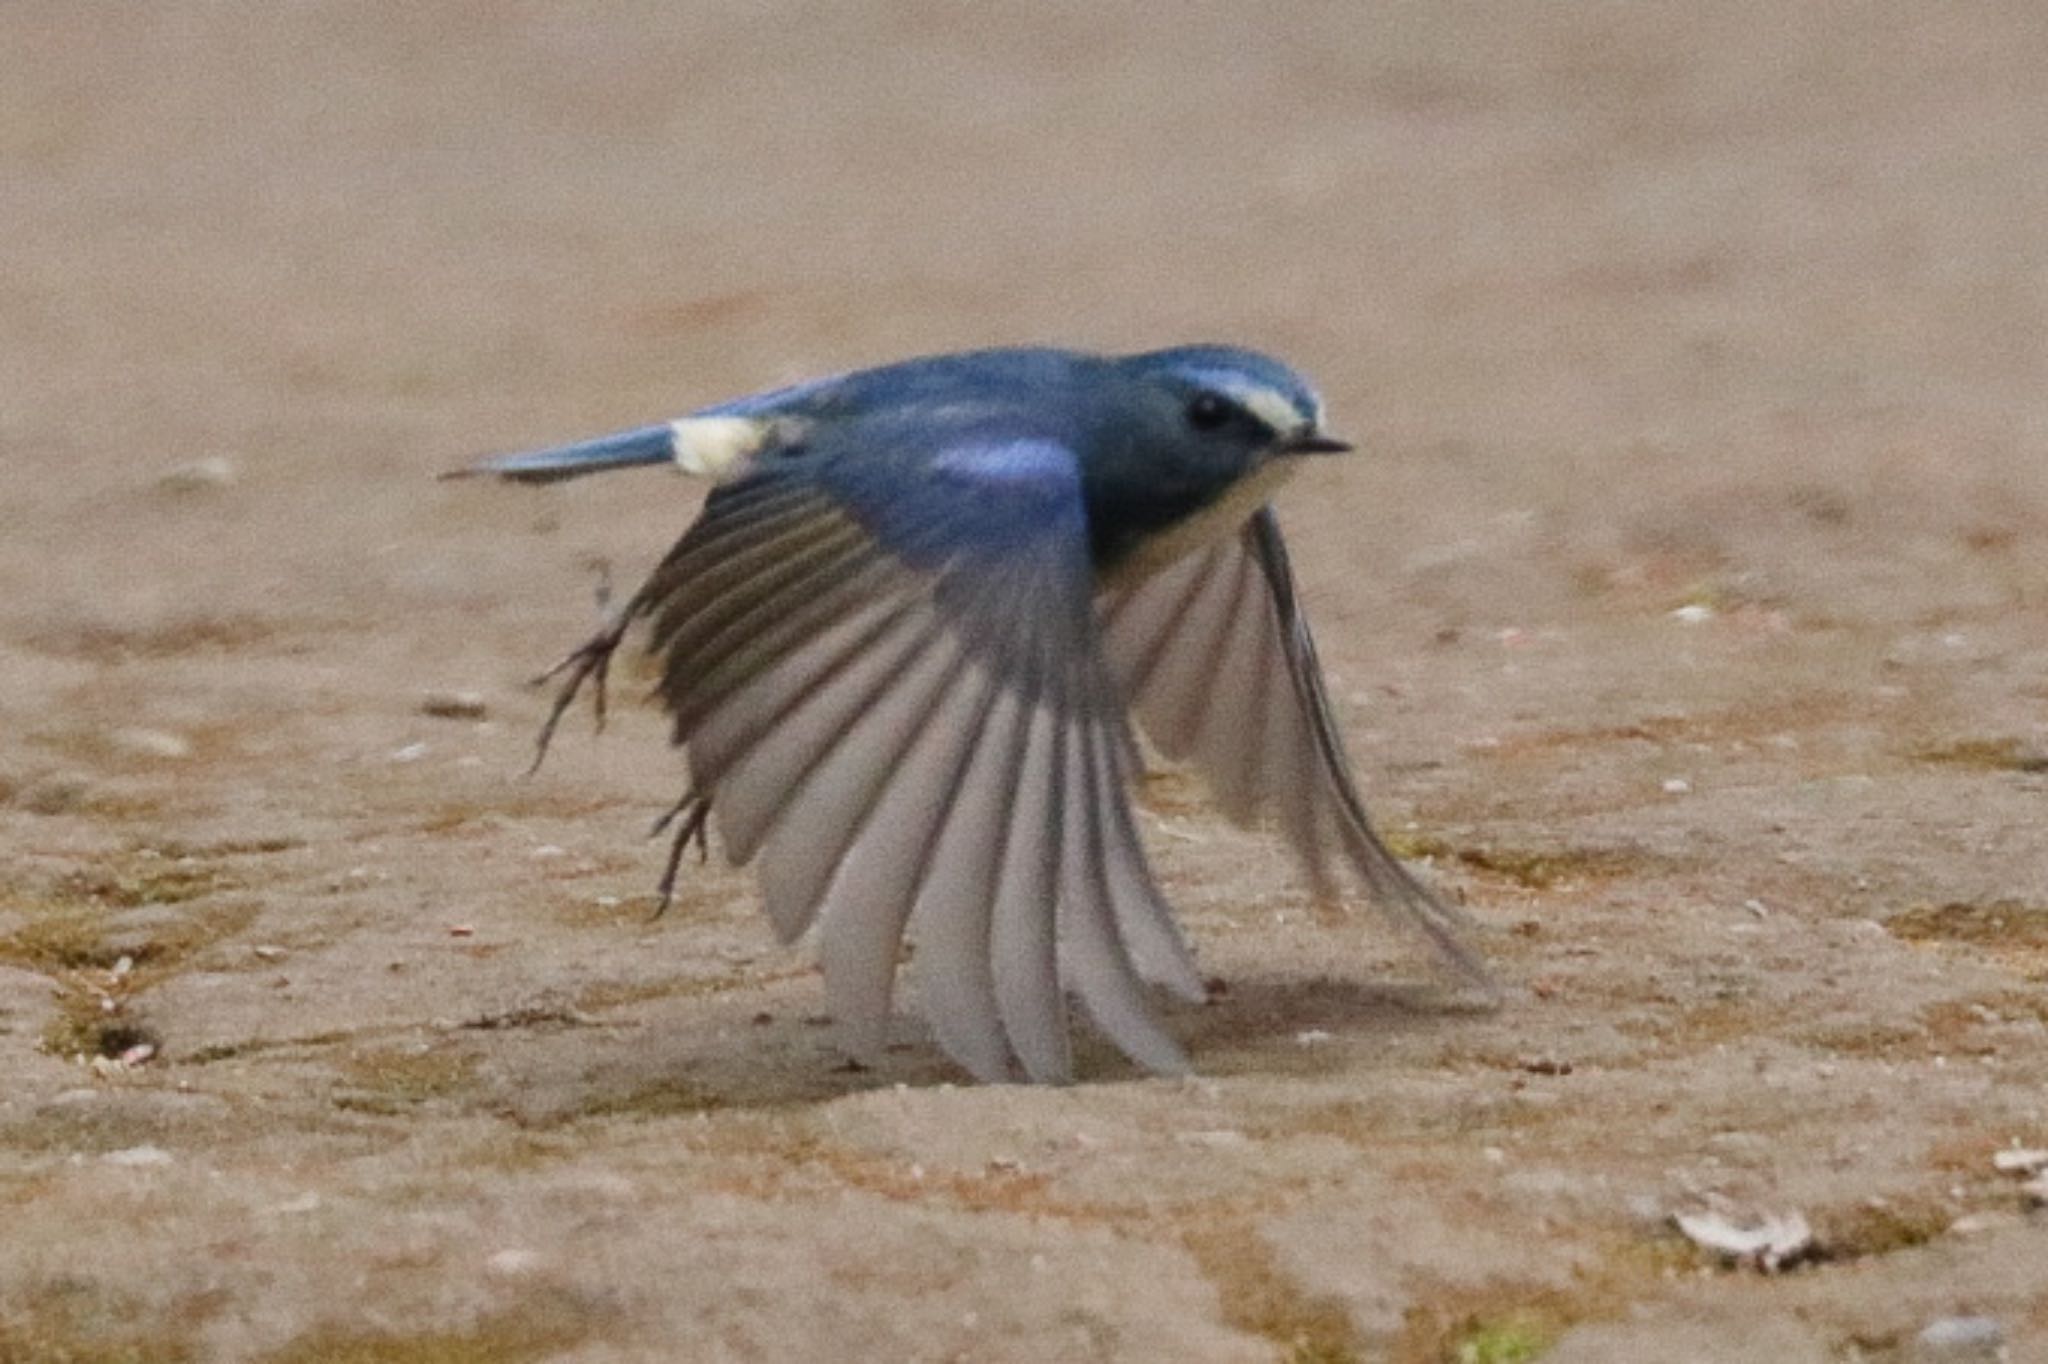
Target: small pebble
462, 930
1960, 1338
266, 952
1311, 1037
454, 705
1676, 786
411, 753
198, 476
150, 743
514, 1262
2016, 1161
139, 1157
1693, 615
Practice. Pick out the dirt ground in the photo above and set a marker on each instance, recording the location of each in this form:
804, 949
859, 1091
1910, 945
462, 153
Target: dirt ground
1688, 613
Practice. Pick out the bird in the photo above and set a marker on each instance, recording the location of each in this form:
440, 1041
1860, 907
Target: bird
902, 647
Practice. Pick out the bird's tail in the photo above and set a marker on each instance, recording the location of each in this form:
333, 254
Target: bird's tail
628, 449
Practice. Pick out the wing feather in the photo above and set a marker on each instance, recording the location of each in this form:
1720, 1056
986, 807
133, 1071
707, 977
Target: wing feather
1023, 949
886, 859
888, 683
956, 982
1235, 688
1092, 954
814, 817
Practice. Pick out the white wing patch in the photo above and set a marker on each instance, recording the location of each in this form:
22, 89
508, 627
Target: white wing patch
713, 447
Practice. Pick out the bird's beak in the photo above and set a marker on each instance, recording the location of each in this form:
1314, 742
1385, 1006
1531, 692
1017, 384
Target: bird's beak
1314, 442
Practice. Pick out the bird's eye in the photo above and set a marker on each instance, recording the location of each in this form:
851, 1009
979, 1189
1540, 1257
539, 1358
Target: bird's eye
1208, 411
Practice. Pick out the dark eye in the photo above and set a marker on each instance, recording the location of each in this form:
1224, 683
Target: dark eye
1207, 412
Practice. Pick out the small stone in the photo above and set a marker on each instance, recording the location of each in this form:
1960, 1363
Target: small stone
1311, 1037
150, 743
1770, 1243
139, 1157
514, 1262
1694, 614
305, 1202
454, 705
198, 476
1960, 1338
1676, 786
2018, 1161
267, 952
462, 930
411, 753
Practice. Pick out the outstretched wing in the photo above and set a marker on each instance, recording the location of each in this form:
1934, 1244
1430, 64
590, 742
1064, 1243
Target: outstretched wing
1218, 663
885, 670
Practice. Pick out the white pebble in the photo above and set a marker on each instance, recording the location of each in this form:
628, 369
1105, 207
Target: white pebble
139, 1157
199, 475
151, 743
1960, 1338
513, 1262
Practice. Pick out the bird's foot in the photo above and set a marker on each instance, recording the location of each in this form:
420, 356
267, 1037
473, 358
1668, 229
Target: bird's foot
590, 662
691, 816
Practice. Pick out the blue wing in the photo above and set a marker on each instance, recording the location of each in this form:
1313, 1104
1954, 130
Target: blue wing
883, 664
1217, 660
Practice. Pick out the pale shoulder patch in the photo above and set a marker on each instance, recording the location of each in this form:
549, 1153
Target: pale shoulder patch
1025, 460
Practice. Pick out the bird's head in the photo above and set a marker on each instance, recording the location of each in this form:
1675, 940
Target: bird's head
1234, 401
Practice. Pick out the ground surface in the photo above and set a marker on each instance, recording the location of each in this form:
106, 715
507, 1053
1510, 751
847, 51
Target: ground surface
1636, 307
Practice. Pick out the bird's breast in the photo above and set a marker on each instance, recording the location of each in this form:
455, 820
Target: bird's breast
1138, 554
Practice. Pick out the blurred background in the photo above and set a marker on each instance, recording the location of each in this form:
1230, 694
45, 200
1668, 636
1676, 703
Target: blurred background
1596, 264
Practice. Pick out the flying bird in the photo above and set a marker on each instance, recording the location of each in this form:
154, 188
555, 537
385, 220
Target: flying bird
902, 645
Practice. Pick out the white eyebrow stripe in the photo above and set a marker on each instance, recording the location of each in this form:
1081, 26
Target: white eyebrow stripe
1269, 405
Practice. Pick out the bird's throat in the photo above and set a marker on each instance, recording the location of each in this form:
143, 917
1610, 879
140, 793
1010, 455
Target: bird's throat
1214, 520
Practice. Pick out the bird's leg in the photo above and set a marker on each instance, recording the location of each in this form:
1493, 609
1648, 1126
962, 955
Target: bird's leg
690, 815
591, 659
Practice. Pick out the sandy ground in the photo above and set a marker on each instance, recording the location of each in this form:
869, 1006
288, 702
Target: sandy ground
1637, 307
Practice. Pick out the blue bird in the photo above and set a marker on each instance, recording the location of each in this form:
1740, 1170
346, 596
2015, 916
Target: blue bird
901, 642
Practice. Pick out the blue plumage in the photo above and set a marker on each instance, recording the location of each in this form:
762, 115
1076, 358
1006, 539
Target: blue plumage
901, 641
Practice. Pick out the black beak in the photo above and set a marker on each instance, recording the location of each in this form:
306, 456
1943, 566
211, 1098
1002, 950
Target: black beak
1314, 443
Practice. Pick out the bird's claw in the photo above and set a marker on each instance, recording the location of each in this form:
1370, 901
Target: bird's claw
590, 662
691, 816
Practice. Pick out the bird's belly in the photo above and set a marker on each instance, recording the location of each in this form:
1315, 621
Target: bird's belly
1212, 522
